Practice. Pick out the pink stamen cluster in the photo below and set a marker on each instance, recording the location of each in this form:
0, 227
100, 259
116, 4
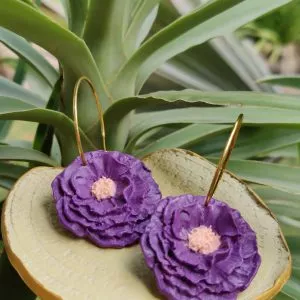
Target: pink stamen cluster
104, 188
203, 240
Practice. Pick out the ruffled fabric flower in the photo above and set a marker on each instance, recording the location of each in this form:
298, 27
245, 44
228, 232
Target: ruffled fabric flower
199, 252
108, 201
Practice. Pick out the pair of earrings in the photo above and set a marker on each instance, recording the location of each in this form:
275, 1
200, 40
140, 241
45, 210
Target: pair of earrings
198, 247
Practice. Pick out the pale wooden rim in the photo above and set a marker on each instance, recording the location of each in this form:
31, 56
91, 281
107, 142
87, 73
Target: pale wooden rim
39, 289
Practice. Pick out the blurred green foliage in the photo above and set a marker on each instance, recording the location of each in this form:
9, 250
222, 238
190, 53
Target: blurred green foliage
275, 30
284, 22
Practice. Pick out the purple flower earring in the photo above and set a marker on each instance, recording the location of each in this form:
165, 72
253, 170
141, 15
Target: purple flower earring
104, 196
199, 247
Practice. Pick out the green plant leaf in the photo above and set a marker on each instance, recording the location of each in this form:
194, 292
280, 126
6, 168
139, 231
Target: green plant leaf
62, 43
10, 61
37, 84
166, 78
283, 296
229, 98
294, 245
44, 134
252, 142
292, 288
281, 202
4, 129
268, 193
18, 78
8, 89
291, 81
20, 72
143, 122
24, 154
11, 171
31, 3
14, 109
285, 205
181, 138
280, 207
254, 62
211, 20
9, 104
11, 284
2, 198
104, 34
140, 25
233, 52
202, 67
6, 183
76, 11
289, 226
244, 64
290, 152
237, 102
13, 90
17, 143
282, 177
181, 73
262, 140
21, 47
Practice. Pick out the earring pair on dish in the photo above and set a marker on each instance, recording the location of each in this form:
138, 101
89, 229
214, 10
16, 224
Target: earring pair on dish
197, 248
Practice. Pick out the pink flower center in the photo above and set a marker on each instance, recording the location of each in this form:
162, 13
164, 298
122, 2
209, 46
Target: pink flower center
104, 188
203, 240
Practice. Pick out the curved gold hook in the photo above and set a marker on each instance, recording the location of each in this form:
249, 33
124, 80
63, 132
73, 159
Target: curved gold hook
224, 158
75, 116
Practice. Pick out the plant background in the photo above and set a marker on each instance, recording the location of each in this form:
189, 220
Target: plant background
267, 153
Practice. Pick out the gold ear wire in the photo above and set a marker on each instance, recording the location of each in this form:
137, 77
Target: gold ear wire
75, 116
224, 158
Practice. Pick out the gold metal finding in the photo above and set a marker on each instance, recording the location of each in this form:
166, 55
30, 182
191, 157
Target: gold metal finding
75, 116
224, 158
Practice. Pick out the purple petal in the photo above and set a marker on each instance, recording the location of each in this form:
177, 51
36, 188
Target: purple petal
113, 222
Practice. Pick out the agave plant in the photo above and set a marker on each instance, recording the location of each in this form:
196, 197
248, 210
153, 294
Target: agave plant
141, 56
